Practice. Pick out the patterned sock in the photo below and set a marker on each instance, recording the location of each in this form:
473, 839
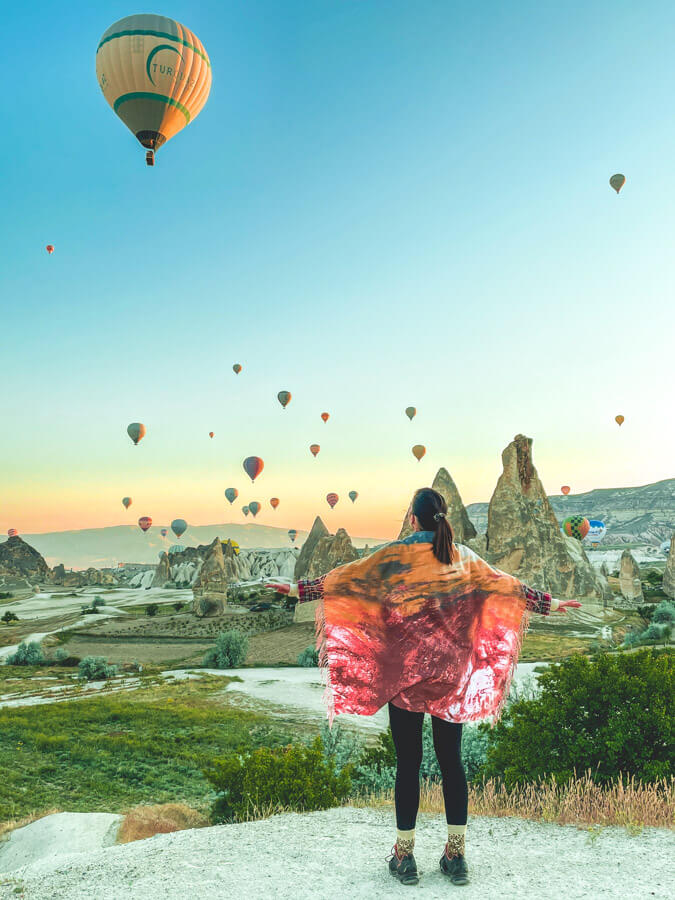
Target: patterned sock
455, 845
405, 841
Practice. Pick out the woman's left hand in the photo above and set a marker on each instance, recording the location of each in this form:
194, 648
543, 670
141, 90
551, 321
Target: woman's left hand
564, 605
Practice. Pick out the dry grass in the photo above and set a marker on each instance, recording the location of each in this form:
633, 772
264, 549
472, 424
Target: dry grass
581, 802
146, 821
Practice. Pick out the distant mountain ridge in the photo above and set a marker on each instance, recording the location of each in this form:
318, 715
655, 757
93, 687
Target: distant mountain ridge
106, 547
640, 515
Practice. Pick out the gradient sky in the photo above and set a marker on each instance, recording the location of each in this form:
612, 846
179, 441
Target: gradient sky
383, 203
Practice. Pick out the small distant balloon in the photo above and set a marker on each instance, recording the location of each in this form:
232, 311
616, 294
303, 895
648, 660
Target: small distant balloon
231, 494
331, 500
325, 416
126, 502
136, 431
274, 502
353, 495
12, 532
314, 449
576, 527
292, 533
565, 489
411, 412
245, 510
144, 523
253, 466
211, 433
49, 248
236, 368
284, 398
254, 508
164, 532
617, 182
619, 420
179, 527
418, 451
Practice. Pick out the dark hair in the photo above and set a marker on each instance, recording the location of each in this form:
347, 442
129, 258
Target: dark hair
431, 510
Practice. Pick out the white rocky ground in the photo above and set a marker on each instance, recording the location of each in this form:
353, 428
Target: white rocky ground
341, 853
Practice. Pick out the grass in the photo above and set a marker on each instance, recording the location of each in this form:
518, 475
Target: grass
146, 821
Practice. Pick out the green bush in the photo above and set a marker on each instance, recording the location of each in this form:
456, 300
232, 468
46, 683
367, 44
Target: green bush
6, 595
655, 632
664, 614
229, 651
97, 601
27, 654
612, 715
9, 617
152, 609
206, 606
653, 577
294, 777
178, 605
308, 658
646, 612
95, 668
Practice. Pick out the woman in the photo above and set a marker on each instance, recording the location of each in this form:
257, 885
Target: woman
424, 625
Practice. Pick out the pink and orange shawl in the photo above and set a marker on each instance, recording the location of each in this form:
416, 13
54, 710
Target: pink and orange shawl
399, 626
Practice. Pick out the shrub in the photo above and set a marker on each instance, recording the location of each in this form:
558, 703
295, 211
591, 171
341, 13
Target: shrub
646, 612
178, 605
97, 601
6, 595
655, 632
612, 716
95, 668
151, 609
308, 658
229, 651
9, 617
291, 778
206, 606
147, 821
653, 577
664, 613
27, 654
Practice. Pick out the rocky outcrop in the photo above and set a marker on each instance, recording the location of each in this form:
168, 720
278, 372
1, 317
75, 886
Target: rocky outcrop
629, 580
66, 578
210, 585
19, 559
318, 532
162, 572
669, 574
331, 551
523, 535
457, 515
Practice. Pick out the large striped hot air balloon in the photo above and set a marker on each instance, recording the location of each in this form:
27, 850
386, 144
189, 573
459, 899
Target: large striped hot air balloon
331, 500
126, 502
314, 449
179, 527
254, 508
144, 523
155, 74
418, 451
136, 431
284, 397
576, 527
253, 466
231, 494
274, 502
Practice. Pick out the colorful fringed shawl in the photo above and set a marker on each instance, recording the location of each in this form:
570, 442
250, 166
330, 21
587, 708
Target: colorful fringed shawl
399, 626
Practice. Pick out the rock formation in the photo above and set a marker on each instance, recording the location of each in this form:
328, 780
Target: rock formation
457, 515
19, 559
63, 577
669, 574
210, 585
629, 579
318, 531
162, 572
331, 551
523, 535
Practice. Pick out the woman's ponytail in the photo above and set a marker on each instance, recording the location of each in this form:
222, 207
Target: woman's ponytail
431, 511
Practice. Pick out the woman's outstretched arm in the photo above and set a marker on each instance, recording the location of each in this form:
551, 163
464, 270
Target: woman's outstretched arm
543, 603
305, 590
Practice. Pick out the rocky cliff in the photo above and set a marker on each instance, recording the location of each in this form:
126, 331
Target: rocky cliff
210, 585
457, 515
523, 535
629, 580
63, 577
318, 532
669, 574
329, 552
18, 559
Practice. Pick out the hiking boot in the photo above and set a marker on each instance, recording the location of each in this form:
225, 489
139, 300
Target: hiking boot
455, 868
403, 867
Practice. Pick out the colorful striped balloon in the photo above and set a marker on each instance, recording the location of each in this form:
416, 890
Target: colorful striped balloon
331, 500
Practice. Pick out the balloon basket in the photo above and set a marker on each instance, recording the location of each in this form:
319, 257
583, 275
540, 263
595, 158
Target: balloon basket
150, 158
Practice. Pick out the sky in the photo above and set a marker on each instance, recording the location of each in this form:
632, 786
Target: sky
382, 204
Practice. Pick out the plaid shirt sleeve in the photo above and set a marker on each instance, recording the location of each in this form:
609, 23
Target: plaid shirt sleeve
310, 590
537, 601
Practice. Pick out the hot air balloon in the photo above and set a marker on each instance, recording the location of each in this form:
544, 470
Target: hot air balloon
49, 248
245, 510
274, 502
325, 416
254, 508
576, 527
411, 412
179, 527
353, 495
596, 532
418, 451
565, 489
619, 420
164, 532
331, 500
126, 502
617, 182
211, 433
293, 533
230, 543
155, 74
12, 532
284, 397
144, 523
136, 431
253, 466
231, 494
314, 449
237, 368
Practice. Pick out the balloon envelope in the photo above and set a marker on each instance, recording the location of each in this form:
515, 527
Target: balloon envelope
274, 502
155, 74
245, 510
619, 420
325, 416
353, 495
576, 527
231, 494
596, 531
126, 502
164, 532
144, 523
284, 398
411, 412
237, 368
49, 248
565, 489
314, 449
418, 451
136, 431
211, 433
254, 508
253, 466
12, 532
179, 526
617, 182
292, 533
332, 499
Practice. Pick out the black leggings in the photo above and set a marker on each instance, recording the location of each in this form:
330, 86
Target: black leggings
406, 729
